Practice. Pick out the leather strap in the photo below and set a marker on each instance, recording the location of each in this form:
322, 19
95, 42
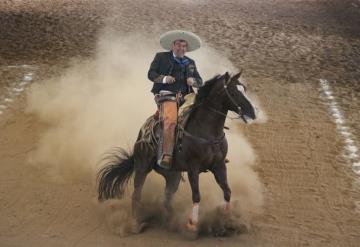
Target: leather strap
204, 140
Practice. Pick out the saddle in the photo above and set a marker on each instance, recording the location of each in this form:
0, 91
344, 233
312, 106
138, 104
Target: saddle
150, 130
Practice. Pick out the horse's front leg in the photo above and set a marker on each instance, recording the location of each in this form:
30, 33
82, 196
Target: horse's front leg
172, 179
194, 215
220, 175
172, 185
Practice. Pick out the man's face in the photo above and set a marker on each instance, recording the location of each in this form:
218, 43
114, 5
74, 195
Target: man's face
179, 48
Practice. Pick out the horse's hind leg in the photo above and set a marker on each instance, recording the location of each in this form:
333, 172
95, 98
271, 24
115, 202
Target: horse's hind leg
220, 175
139, 181
143, 163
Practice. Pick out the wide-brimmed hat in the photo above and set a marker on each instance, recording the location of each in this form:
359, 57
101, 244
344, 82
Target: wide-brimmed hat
167, 39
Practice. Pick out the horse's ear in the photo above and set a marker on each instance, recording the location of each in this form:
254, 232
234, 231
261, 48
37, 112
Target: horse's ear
237, 76
226, 77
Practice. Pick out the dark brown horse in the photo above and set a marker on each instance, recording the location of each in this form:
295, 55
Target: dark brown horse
204, 148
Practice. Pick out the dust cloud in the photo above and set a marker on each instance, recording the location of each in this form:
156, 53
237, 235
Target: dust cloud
101, 103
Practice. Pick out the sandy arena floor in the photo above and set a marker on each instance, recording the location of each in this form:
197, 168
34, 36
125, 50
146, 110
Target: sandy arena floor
301, 60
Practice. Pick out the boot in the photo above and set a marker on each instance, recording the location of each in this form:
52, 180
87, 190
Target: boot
168, 146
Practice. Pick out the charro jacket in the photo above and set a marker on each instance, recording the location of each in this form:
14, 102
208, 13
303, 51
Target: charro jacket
165, 64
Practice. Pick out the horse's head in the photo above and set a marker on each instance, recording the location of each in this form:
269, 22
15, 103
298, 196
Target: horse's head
235, 98
230, 92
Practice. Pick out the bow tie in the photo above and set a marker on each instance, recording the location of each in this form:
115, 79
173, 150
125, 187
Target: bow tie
181, 60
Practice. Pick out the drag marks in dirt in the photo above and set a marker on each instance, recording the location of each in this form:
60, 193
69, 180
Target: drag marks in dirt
351, 151
16, 87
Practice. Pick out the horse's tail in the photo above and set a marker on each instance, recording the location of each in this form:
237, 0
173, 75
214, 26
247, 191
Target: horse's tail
114, 176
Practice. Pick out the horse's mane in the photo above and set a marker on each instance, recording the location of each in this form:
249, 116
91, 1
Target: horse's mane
204, 91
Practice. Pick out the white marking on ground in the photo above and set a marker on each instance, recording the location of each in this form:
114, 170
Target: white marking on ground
20, 66
350, 148
8, 100
356, 168
28, 77
18, 87
23, 83
351, 151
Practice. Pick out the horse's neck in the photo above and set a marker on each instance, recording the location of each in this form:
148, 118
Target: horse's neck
205, 122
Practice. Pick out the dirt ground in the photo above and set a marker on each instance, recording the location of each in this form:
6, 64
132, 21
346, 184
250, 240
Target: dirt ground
311, 193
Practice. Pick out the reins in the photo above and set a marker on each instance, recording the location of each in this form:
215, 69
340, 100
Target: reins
220, 139
232, 101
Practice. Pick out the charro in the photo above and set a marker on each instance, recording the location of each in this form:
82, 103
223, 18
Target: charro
174, 75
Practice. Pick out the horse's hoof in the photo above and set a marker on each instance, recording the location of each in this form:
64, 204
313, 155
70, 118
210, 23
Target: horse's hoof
227, 209
192, 231
226, 212
138, 228
191, 226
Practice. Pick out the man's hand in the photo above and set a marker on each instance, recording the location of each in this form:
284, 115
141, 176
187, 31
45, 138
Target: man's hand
190, 81
169, 79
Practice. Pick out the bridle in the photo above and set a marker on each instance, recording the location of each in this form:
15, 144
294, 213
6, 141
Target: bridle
220, 139
239, 112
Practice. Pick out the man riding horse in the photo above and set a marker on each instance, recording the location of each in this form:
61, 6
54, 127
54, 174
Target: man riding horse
173, 75
203, 142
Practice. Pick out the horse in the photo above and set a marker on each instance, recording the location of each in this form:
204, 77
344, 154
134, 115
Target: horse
204, 148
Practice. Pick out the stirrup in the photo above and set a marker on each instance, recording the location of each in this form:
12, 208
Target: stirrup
165, 162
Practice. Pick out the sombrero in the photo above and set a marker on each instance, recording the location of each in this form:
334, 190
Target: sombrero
167, 39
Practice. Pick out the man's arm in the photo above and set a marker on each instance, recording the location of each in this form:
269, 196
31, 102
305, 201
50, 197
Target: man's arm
153, 74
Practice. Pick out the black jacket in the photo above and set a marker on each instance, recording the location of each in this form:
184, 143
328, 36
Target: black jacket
163, 65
